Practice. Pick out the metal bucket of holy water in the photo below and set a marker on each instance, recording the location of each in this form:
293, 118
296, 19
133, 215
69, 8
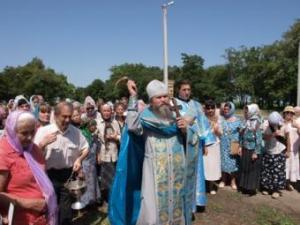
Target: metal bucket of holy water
76, 187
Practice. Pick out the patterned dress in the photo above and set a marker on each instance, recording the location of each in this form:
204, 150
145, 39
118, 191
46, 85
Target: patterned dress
92, 193
273, 165
229, 163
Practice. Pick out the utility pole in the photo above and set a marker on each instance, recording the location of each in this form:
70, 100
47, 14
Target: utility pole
165, 34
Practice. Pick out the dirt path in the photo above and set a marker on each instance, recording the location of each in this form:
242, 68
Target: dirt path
229, 207
232, 208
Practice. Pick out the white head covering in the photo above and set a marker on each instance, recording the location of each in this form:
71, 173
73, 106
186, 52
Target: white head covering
17, 99
110, 104
89, 100
68, 100
253, 118
275, 118
253, 110
76, 104
156, 88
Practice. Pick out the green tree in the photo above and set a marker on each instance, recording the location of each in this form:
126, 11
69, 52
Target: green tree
34, 78
218, 83
193, 71
95, 89
140, 73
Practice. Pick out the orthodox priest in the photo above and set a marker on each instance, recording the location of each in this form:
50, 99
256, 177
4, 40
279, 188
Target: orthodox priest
156, 171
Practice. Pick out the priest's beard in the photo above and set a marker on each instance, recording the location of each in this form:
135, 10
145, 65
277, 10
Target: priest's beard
164, 112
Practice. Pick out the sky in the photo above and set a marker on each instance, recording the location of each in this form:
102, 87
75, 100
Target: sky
83, 39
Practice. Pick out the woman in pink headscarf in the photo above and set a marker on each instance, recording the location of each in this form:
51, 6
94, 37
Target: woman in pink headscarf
23, 181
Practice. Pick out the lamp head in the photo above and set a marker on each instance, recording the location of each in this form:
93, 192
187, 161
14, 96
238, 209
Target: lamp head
170, 3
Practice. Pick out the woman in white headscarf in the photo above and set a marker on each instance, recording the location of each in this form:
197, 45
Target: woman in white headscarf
21, 103
250, 150
276, 151
91, 112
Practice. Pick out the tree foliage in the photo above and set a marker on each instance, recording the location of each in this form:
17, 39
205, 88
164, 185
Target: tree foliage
34, 78
264, 74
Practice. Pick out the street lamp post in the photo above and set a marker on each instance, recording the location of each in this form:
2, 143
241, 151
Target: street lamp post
165, 33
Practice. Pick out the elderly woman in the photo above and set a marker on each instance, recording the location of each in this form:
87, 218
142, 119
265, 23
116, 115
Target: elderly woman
292, 162
109, 135
92, 194
276, 151
120, 115
230, 137
251, 143
23, 181
90, 110
76, 118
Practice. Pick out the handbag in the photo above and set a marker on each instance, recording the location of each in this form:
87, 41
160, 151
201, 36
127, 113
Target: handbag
234, 147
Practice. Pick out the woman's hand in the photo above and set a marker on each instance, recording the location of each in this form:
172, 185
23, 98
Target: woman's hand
240, 151
254, 156
112, 137
38, 205
5, 220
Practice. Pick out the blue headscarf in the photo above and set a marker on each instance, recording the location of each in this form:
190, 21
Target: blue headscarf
231, 111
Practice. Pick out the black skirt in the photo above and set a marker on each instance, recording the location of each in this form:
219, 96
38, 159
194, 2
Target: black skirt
273, 172
249, 173
107, 174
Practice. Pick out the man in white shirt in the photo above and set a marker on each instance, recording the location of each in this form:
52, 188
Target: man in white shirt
65, 148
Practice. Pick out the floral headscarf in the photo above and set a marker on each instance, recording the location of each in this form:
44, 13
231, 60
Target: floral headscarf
253, 120
253, 111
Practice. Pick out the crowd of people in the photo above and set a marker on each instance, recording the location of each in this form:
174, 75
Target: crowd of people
143, 163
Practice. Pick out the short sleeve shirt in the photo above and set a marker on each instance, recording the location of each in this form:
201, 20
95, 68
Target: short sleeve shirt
21, 181
67, 147
273, 146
